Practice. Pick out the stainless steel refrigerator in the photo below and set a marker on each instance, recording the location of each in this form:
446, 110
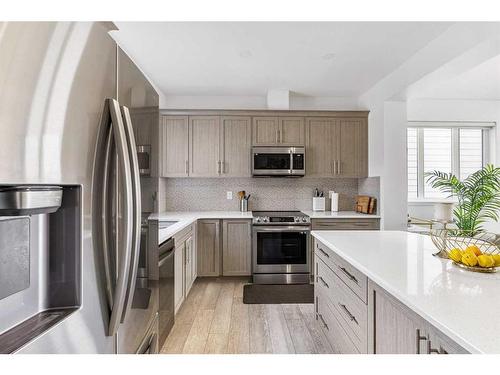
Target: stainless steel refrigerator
69, 105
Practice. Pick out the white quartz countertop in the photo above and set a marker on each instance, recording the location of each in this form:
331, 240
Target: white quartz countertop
339, 215
463, 305
184, 218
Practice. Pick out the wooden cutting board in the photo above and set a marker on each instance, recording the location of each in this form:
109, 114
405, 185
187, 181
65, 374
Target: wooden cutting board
363, 204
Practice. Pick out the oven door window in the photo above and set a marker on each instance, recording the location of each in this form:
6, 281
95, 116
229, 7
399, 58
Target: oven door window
281, 247
271, 161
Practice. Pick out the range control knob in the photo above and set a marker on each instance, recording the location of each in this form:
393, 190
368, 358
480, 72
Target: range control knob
265, 219
257, 219
304, 219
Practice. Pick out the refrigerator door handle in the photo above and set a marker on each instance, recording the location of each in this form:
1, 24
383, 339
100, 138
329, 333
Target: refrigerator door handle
112, 147
136, 219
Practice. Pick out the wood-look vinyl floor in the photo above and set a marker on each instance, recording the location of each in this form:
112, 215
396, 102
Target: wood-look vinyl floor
213, 319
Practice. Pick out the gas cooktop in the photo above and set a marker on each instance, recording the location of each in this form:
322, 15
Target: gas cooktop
280, 217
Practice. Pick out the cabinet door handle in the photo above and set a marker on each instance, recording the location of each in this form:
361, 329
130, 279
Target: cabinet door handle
419, 338
348, 313
218, 167
223, 167
280, 136
277, 137
324, 282
187, 166
323, 321
349, 275
339, 167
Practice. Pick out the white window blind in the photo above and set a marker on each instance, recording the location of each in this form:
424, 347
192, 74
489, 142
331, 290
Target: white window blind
437, 156
454, 149
471, 151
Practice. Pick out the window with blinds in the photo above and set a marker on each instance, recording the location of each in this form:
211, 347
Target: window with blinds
456, 150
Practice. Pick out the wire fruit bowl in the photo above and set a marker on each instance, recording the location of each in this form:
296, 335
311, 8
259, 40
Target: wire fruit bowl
483, 243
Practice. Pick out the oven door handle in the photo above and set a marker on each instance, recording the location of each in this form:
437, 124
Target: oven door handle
280, 228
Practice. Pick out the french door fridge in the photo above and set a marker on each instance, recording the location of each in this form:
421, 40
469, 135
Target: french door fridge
64, 123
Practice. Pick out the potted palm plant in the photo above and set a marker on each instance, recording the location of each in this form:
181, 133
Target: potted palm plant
478, 196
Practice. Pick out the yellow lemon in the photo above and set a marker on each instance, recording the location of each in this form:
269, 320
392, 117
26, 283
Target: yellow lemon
496, 259
474, 249
455, 254
469, 259
485, 260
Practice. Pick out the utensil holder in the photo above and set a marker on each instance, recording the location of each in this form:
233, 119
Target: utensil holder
243, 205
318, 203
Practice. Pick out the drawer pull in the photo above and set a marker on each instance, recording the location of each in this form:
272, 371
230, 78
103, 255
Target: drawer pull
349, 275
323, 321
323, 252
324, 282
348, 313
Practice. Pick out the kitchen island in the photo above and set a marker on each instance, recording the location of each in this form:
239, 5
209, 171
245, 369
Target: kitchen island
384, 292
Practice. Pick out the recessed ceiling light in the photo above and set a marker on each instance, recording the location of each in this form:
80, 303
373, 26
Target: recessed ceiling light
328, 56
246, 54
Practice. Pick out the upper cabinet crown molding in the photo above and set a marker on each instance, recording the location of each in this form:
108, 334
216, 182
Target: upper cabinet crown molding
264, 113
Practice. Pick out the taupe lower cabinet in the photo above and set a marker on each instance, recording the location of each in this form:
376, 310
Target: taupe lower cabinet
357, 316
278, 131
184, 264
236, 248
398, 330
336, 147
208, 243
224, 247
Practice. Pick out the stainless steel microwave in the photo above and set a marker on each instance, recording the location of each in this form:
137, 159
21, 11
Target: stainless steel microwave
278, 161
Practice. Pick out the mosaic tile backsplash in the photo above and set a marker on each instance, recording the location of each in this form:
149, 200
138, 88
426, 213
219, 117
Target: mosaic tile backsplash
205, 194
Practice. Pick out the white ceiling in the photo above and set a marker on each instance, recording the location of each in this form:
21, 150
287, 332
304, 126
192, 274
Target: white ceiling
482, 82
341, 59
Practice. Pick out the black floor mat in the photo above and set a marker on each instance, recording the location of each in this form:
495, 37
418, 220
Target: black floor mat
272, 294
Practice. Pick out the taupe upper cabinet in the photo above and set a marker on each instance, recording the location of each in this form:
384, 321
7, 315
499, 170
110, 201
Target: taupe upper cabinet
235, 143
291, 131
265, 131
278, 131
174, 146
353, 148
321, 146
204, 137
336, 147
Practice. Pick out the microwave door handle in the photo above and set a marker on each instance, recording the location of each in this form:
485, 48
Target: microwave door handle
136, 215
125, 229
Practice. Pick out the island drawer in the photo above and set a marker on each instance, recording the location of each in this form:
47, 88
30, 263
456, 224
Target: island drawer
332, 327
353, 278
348, 309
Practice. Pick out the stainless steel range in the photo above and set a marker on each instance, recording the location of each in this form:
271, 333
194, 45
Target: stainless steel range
280, 247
